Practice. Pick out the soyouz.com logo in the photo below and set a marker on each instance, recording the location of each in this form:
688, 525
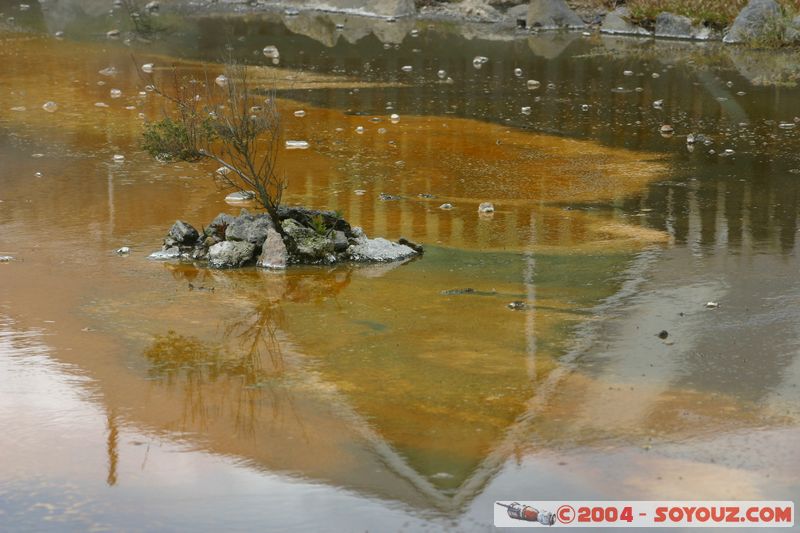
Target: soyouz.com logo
644, 514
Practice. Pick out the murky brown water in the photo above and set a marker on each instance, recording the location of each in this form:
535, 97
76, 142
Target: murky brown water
364, 398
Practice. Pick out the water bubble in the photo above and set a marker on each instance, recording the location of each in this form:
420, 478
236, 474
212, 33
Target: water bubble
115, 93
271, 52
627, 73
147, 68
414, 32
100, 104
585, 107
655, 75
395, 118
518, 72
296, 145
50, 107
479, 61
446, 206
442, 74
37, 174
381, 130
407, 68
24, 7
112, 34
658, 103
221, 80
532, 84
526, 110
360, 129
119, 158
299, 113
108, 71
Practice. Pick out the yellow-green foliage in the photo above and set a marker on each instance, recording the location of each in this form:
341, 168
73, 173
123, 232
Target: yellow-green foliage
717, 13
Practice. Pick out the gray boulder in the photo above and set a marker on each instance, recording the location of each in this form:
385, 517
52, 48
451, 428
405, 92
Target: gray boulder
165, 254
753, 21
308, 246
249, 228
792, 33
181, 234
230, 254
680, 27
377, 250
273, 254
552, 14
219, 226
675, 26
618, 23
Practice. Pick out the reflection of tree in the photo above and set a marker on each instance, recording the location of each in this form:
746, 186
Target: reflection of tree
232, 378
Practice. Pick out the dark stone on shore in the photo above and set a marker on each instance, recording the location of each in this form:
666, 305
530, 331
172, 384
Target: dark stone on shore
414, 246
306, 245
219, 227
181, 234
249, 228
307, 216
753, 21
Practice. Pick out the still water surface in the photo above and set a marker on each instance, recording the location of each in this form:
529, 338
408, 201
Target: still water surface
355, 398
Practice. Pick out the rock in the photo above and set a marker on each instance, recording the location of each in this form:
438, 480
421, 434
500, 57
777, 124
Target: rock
552, 14
165, 255
792, 33
273, 254
379, 250
414, 246
618, 23
340, 242
306, 216
307, 246
663, 334
675, 26
518, 15
218, 227
181, 234
249, 228
230, 254
753, 21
